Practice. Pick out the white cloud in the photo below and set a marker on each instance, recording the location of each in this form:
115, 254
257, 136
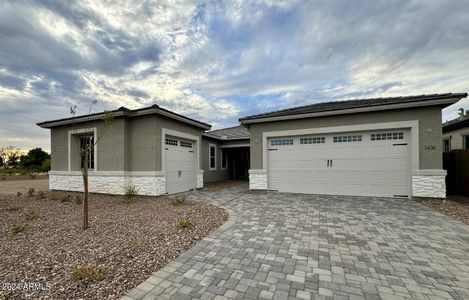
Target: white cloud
216, 61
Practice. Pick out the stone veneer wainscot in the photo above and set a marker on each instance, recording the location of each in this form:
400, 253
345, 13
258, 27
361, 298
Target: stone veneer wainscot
113, 182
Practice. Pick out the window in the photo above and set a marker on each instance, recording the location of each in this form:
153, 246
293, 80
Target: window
186, 144
313, 140
347, 138
88, 143
224, 159
213, 157
446, 145
171, 142
387, 136
281, 142
465, 140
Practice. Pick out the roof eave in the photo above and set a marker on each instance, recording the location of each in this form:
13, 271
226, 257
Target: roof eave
163, 112
433, 102
226, 139
456, 126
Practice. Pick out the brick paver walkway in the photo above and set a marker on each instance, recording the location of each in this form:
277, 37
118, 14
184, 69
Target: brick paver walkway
285, 246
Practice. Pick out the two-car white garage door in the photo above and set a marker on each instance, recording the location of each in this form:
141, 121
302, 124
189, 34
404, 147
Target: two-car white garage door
358, 163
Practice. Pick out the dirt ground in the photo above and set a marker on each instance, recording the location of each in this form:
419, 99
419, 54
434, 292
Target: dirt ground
42, 241
454, 206
10, 185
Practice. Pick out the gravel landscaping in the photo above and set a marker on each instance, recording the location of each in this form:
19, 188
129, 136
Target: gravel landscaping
41, 241
12, 184
454, 206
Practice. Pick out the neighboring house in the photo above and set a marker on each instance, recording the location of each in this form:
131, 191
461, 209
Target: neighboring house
456, 133
373, 147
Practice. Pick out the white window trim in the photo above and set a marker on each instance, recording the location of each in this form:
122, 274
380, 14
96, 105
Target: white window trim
210, 157
448, 139
226, 160
94, 130
464, 136
89, 153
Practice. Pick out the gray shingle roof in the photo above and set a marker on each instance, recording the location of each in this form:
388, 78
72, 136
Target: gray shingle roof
457, 123
231, 133
354, 103
124, 111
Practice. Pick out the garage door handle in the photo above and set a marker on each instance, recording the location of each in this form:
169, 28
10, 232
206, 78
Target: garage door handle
328, 163
331, 163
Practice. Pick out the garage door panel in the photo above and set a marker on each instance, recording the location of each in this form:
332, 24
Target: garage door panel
366, 167
179, 168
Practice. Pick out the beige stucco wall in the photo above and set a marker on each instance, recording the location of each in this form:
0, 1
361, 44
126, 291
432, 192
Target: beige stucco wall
129, 144
456, 137
212, 175
239, 143
143, 143
59, 148
430, 146
111, 150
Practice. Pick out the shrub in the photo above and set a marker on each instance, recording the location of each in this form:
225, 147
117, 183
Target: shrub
31, 215
17, 228
185, 223
53, 196
65, 198
139, 243
179, 200
45, 166
32, 174
130, 192
41, 195
19, 194
31, 192
200, 208
89, 273
78, 199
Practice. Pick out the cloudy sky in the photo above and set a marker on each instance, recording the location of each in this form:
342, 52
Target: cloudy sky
219, 60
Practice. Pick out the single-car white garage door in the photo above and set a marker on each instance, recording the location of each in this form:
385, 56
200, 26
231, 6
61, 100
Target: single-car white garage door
359, 163
179, 165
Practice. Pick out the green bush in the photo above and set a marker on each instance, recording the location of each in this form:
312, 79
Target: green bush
45, 166
130, 192
31, 215
78, 200
65, 199
53, 196
17, 228
200, 208
179, 200
19, 194
185, 223
41, 195
89, 272
31, 192
32, 173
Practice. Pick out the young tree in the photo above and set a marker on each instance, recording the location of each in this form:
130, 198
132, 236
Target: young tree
10, 155
83, 151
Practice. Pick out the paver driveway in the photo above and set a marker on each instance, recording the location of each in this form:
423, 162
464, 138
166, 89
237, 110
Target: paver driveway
286, 246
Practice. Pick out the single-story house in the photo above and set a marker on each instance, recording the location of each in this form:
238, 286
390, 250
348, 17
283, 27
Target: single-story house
456, 133
373, 147
152, 149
